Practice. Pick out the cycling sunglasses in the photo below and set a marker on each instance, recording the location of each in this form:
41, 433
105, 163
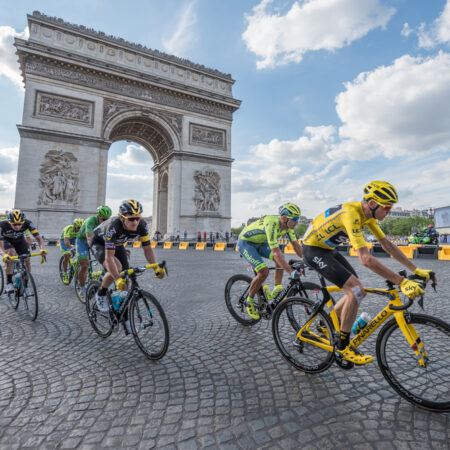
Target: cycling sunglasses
133, 219
294, 219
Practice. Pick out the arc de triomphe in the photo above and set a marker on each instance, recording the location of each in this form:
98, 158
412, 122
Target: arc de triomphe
85, 90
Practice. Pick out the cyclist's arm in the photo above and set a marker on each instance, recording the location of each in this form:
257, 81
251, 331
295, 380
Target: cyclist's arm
149, 254
297, 248
280, 259
2, 247
110, 264
375, 265
390, 248
67, 242
40, 241
89, 237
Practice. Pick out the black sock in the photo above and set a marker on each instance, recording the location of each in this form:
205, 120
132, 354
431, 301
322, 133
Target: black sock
343, 340
102, 291
9, 278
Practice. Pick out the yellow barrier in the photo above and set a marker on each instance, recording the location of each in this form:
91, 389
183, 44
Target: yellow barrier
289, 249
408, 251
136, 244
352, 252
125, 244
167, 245
415, 246
154, 244
183, 245
220, 246
57, 243
200, 246
235, 248
444, 254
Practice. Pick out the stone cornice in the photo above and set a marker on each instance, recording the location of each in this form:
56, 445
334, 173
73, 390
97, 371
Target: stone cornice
98, 35
88, 78
195, 157
25, 48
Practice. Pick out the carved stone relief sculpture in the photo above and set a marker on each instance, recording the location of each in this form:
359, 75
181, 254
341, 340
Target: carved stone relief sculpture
59, 177
64, 108
207, 190
207, 136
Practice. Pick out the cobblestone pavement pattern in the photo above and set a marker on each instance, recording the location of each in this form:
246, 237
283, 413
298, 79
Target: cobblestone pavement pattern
220, 385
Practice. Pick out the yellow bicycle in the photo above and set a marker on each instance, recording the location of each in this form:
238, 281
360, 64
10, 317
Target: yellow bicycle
413, 350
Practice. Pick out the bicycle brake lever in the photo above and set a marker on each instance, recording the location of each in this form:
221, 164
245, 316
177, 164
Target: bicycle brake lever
420, 301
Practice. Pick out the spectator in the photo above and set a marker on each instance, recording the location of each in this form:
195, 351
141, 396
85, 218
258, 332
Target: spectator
227, 236
199, 236
185, 235
217, 235
211, 237
204, 236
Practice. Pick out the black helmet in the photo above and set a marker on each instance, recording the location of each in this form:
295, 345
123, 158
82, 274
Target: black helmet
130, 208
16, 216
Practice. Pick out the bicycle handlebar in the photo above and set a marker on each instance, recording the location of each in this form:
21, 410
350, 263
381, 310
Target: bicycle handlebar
43, 259
141, 269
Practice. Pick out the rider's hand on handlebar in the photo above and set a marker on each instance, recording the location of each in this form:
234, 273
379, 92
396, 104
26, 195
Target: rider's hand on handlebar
410, 288
422, 273
120, 283
294, 275
6, 257
160, 273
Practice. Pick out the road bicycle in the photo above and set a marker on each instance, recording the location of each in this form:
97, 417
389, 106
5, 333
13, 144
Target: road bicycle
90, 276
72, 267
237, 287
412, 350
24, 286
148, 321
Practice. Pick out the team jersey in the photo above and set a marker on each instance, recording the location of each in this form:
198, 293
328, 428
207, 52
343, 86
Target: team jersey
88, 227
69, 232
337, 224
266, 229
9, 233
112, 233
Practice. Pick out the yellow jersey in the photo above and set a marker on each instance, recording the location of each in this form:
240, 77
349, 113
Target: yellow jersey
335, 225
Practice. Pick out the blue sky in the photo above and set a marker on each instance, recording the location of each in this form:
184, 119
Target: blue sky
334, 93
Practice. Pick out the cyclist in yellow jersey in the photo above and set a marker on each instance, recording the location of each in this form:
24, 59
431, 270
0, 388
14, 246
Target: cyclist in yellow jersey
259, 240
347, 221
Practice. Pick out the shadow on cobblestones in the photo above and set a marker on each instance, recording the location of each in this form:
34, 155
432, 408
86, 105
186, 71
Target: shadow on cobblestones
219, 386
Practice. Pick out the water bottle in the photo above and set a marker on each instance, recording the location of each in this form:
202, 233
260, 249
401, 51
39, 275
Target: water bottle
116, 300
360, 323
276, 290
266, 291
16, 279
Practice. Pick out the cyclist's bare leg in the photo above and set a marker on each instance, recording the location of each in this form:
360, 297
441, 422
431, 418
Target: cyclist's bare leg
82, 273
347, 307
108, 279
66, 261
9, 264
28, 264
258, 281
278, 277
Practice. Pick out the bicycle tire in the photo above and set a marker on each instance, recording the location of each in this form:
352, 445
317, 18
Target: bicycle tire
14, 298
69, 271
104, 326
30, 302
76, 284
399, 365
147, 319
235, 300
2, 280
302, 355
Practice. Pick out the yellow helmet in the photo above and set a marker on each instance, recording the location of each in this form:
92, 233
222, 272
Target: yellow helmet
78, 222
16, 216
382, 192
130, 208
290, 210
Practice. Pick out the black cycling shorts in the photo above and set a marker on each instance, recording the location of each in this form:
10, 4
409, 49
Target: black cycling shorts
20, 245
329, 263
98, 250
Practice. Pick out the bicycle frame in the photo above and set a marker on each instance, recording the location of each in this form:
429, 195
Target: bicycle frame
394, 308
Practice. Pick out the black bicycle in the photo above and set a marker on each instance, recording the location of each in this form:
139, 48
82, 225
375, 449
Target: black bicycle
147, 318
237, 287
24, 286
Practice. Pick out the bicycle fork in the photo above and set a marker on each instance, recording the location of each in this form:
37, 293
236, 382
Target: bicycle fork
412, 337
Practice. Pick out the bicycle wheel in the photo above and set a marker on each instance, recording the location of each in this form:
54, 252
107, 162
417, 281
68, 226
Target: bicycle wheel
100, 321
76, 284
427, 387
288, 318
14, 298
236, 292
2, 280
149, 325
29, 296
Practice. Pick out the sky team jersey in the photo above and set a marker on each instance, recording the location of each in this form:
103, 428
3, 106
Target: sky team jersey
337, 224
268, 229
69, 232
88, 227
113, 233
9, 233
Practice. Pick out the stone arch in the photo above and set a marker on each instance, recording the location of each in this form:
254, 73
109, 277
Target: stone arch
163, 191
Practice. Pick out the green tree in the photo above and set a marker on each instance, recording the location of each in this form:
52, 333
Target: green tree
300, 229
237, 230
404, 226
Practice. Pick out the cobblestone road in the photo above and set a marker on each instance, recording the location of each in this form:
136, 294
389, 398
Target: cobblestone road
220, 385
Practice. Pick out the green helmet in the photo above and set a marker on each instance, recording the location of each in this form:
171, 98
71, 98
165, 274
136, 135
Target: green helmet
104, 212
78, 222
290, 210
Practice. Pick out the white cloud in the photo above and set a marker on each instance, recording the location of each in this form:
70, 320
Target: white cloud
396, 110
8, 159
8, 59
184, 35
438, 32
310, 25
134, 155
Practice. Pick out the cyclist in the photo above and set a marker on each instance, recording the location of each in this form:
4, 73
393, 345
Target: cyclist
13, 241
83, 242
258, 240
107, 247
347, 221
67, 242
